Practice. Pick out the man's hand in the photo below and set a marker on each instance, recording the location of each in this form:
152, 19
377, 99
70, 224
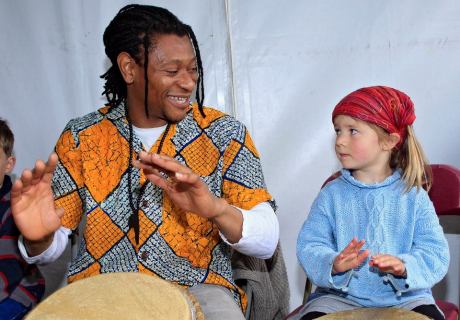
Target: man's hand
389, 264
350, 257
32, 203
186, 189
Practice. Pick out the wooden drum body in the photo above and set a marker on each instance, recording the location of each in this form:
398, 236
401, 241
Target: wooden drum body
119, 296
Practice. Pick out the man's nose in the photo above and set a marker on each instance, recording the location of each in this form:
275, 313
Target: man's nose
187, 80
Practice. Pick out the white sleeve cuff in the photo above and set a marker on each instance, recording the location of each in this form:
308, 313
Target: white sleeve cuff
54, 251
260, 232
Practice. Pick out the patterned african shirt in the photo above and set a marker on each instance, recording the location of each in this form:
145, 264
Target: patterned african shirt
91, 180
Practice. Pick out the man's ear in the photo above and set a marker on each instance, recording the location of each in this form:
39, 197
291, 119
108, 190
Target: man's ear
127, 67
10, 162
391, 142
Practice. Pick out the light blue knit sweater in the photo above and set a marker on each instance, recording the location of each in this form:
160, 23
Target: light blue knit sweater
392, 222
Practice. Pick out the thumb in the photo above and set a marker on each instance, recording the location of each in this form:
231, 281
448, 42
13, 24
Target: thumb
59, 212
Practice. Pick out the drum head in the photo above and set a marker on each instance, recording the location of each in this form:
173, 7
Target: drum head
375, 314
118, 296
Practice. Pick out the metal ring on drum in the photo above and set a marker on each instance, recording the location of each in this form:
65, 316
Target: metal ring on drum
125, 295
375, 314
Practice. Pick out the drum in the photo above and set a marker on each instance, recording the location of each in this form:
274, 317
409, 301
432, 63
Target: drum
119, 296
375, 314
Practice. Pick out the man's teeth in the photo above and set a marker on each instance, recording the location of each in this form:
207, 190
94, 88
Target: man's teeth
178, 99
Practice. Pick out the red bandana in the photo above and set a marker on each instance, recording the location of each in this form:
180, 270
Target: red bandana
386, 107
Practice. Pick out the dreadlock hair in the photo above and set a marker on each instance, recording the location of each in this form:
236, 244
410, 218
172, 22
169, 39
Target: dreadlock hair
6, 138
134, 28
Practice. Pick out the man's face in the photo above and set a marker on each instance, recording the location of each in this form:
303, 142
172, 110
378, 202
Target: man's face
6, 165
172, 75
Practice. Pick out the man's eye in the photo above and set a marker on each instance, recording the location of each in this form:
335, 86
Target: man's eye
171, 72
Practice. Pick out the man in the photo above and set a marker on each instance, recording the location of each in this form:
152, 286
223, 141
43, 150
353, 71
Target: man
174, 211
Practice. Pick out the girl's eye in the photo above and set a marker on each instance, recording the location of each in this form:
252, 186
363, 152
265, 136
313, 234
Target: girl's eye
337, 131
353, 131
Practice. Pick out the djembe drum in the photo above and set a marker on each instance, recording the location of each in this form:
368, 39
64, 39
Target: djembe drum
119, 296
375, 314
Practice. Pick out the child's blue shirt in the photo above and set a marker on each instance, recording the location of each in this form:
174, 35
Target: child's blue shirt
392, 222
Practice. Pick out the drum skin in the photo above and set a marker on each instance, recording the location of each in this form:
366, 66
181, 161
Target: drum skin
119, 296
375, 314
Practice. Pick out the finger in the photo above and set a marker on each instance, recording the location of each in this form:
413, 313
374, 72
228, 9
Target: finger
37, 172
359, 245
350, 247
381, 258
164, 162
158, 180
50, 167
349, 258
26, 178
189, 178
16, 192
148, 168
362, 257
144, 165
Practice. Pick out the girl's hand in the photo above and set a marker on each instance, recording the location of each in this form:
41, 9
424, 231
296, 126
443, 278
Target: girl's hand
350, 257
389, 264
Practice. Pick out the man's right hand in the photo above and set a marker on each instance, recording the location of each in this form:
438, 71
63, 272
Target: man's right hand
32, 206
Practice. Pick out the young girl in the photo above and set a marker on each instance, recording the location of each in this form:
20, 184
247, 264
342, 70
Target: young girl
372, 238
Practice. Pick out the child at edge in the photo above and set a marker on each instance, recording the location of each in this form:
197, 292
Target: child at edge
372, 238
21, 284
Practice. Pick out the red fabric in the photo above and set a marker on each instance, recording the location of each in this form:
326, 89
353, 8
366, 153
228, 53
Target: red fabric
450, 310
386, 107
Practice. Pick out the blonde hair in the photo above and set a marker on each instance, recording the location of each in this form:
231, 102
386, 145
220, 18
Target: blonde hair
411, 159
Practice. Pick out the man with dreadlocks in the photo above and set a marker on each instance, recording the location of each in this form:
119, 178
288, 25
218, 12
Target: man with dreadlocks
167, 187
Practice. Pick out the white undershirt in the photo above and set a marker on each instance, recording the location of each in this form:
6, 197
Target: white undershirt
260, 225
148, 136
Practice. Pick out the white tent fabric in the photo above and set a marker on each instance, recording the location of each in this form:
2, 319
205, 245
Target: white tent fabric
280, 67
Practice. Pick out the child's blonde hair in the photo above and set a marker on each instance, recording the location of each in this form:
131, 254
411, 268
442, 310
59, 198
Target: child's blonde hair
410, 158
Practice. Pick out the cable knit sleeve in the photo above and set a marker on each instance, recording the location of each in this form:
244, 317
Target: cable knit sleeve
316, 247
428, 260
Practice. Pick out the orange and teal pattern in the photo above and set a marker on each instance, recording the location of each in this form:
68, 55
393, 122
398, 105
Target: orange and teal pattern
91, 179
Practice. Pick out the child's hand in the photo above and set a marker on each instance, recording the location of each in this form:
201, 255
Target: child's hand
350, 257
388, 263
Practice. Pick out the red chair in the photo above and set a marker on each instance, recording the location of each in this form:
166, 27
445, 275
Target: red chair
445, 195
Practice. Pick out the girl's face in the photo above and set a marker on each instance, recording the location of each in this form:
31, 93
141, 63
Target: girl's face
358, 148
